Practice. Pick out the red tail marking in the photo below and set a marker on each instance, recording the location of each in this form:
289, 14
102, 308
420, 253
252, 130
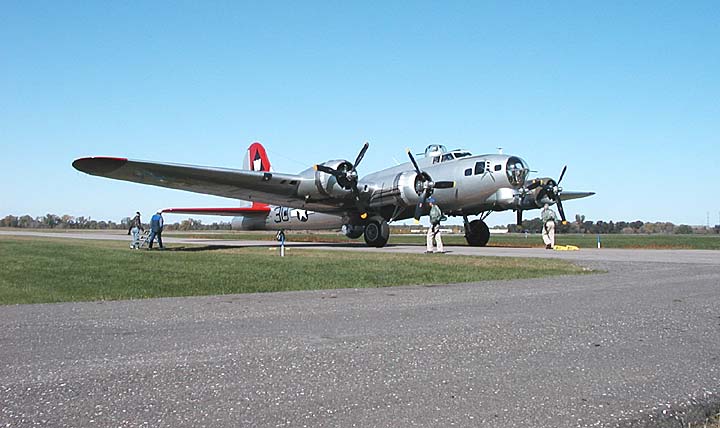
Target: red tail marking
257, 157
258, 160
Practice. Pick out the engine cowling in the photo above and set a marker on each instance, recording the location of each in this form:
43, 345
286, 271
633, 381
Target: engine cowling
399, 191
533, 198
325, 185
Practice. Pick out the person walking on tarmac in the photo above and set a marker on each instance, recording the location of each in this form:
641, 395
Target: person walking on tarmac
156, 227
548, 233
433, 232
135, 229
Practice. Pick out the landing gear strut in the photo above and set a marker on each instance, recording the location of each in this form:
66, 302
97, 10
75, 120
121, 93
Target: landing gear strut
377, 232
477, 233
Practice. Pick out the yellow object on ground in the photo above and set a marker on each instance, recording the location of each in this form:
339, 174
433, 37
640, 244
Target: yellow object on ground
566, 248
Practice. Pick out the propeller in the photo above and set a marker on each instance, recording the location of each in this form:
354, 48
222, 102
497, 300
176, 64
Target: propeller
347, 176
553, 190
424, 186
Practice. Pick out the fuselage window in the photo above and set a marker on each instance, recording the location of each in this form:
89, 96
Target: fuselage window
498, 167
468, 172
479, 167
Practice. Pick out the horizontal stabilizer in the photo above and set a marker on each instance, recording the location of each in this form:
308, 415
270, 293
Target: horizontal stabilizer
256, 209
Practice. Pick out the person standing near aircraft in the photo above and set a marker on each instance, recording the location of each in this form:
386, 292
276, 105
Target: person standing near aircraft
156, 227
548, 233
135, 228
433, 232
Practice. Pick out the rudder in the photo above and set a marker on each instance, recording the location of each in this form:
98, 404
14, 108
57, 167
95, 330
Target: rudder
256, 158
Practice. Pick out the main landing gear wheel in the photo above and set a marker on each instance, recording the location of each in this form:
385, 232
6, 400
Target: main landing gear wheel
477, 233
377, 232
353, 232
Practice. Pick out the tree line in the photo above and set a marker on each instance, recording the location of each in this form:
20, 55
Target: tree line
580, 225
52, 221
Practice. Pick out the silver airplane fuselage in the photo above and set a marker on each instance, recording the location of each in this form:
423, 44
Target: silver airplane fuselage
490, 182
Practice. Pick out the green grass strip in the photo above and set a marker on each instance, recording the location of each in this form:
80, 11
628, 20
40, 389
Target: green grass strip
38, 270
659, 241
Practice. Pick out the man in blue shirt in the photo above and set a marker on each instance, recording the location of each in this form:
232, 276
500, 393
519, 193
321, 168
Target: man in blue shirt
156, 227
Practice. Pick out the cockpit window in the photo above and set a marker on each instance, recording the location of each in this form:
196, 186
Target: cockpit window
517, 171
447, 157
479, 167
459, 155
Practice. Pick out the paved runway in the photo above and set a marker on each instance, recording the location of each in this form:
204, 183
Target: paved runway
636, 346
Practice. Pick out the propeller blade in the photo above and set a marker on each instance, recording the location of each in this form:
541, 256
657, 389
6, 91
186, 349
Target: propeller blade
326, 170
519, 217
535, 183
562, 174
420, 205
361, 155
412, 159
560, 209
444, 184
541, 194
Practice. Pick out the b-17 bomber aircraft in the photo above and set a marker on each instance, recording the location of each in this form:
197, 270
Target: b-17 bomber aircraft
330, 195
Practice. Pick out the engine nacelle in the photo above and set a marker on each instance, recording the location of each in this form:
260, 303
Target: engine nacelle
400, 191
504, 198
325, 185
507, 199
533, 199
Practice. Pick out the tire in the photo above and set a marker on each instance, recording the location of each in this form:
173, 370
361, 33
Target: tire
478, 233
353, 232
377, 232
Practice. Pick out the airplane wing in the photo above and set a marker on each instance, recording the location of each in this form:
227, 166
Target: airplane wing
268, 187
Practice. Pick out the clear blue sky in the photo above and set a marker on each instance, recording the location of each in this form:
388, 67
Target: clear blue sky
627, 94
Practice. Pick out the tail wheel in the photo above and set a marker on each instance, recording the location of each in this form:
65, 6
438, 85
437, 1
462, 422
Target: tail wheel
477, 233
377, 232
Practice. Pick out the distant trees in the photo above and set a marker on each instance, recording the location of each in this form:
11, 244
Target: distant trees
52, 221
683, 229
580, 225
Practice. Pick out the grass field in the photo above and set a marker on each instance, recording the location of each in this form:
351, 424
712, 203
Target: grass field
41, 270
695, 242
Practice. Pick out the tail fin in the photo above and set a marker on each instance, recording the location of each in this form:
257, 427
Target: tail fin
256, 158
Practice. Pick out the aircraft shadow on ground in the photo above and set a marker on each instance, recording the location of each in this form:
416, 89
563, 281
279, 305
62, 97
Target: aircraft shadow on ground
201, 248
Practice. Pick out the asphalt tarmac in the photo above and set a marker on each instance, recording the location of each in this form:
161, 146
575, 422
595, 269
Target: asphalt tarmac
638, 345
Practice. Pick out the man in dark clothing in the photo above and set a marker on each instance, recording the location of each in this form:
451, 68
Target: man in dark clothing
135, 229
156, 227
